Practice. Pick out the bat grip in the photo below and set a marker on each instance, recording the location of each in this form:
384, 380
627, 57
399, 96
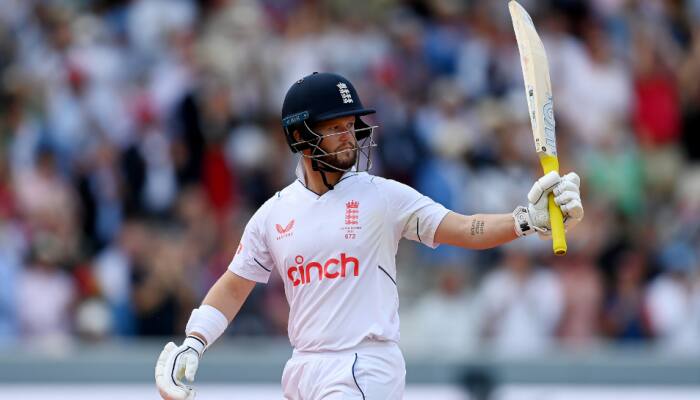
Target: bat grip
551, 163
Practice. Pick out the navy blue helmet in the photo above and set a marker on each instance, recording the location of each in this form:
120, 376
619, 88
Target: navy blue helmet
320, 97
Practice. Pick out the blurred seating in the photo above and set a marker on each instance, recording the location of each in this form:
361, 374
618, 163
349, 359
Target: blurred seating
139, 136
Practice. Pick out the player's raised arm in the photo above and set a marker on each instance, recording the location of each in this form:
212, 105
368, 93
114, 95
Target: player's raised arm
478, 231
483, 231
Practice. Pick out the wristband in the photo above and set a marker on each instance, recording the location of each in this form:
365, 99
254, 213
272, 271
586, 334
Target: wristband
208, 322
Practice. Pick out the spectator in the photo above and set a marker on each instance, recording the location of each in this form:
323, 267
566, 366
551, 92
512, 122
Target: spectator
162, 291
616, 174
445, 320
46, 293
582, 287
625, 315
23, 132
43, 195
596, 82
12, 246
673, 299
99, 184
690, 95
114, 268
521, 305
656, 113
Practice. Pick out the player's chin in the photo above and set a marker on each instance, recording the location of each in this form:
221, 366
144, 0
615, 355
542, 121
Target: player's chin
344, 161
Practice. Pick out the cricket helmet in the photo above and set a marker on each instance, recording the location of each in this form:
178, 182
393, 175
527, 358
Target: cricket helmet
320, 97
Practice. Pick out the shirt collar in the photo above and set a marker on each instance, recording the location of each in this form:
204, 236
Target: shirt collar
300, 172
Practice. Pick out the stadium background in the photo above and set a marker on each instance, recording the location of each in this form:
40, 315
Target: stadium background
139, 136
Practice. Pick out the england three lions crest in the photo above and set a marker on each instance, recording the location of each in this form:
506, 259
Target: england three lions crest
352, 219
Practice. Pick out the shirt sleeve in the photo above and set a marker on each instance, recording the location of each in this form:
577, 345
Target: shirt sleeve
416, 217
252, 259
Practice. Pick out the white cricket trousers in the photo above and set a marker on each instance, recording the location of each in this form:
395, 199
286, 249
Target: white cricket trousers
369, 371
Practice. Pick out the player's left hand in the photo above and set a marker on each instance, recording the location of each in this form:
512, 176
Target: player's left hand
567, 196
175, 365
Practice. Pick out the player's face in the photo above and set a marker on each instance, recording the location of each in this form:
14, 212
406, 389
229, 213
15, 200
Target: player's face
339, 141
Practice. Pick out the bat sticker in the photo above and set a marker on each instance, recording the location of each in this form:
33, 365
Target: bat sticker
549, 124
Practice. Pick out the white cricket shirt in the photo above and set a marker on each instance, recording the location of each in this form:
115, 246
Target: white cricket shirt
336, 254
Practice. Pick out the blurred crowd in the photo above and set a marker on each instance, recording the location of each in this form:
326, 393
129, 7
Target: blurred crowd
139, 136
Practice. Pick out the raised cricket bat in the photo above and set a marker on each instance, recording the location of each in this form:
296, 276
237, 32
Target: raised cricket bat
538, 90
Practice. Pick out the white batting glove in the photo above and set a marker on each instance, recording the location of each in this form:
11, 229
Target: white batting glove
177, 364
535, 217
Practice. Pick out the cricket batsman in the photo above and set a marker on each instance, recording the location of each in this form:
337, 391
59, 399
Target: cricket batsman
332, 236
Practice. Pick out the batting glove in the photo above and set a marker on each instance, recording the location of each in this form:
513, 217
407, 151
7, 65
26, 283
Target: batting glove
177, 364
535, 217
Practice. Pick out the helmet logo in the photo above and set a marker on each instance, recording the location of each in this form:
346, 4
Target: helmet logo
344, 92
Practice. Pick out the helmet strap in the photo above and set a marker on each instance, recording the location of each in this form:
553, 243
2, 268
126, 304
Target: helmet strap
317, 166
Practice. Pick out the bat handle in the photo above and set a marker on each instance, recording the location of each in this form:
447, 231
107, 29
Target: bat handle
551, 163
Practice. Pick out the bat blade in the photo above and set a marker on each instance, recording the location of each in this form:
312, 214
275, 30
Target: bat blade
538, 91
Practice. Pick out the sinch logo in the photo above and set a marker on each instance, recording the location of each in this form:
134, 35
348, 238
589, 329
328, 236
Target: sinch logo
284, 231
